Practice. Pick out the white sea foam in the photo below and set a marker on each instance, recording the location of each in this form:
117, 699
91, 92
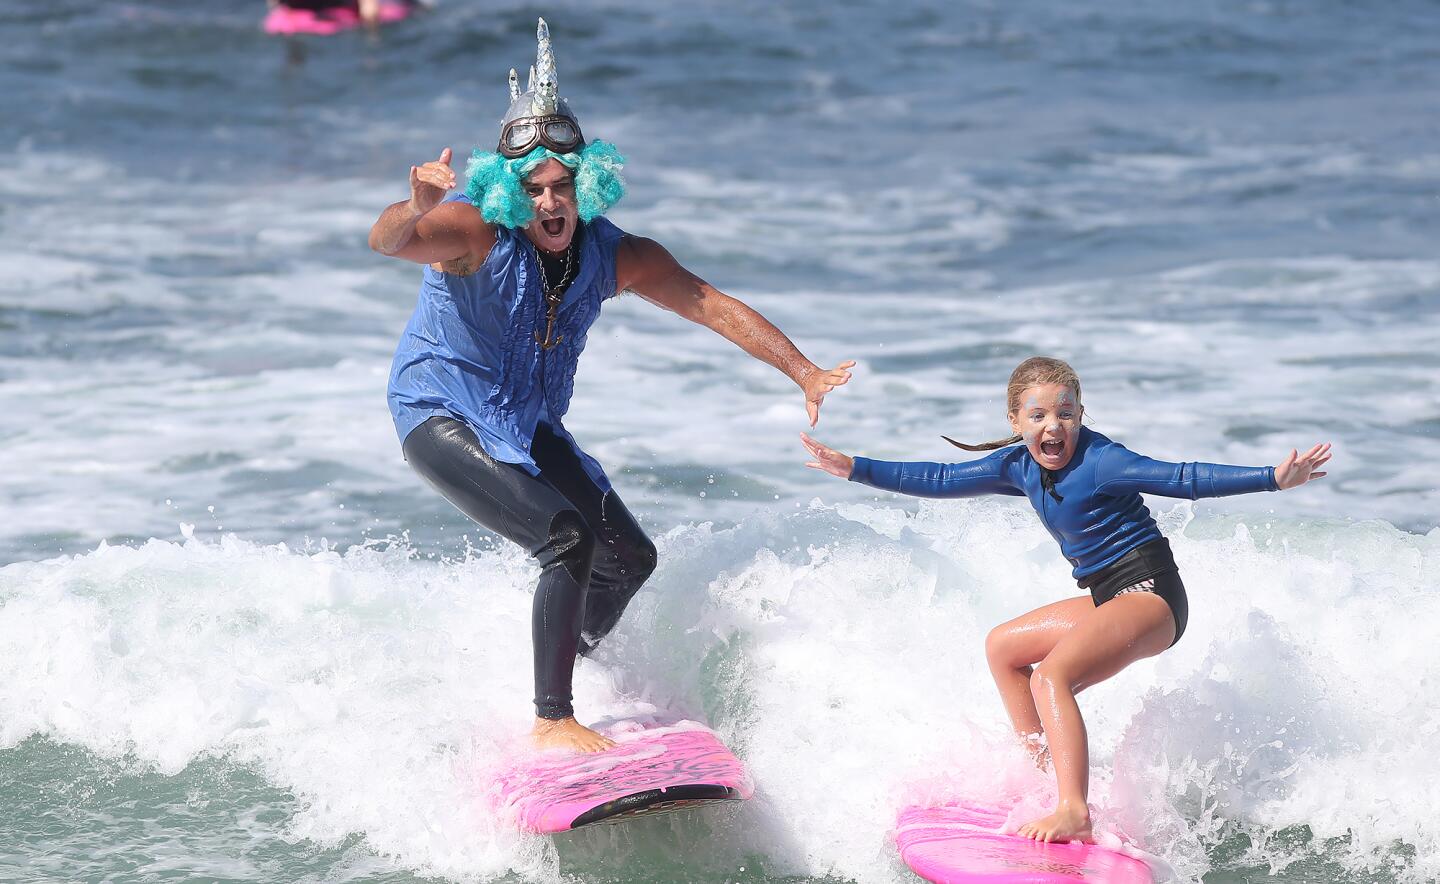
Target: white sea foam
838, 649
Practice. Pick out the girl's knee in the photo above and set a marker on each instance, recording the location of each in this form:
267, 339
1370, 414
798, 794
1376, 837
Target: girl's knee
1000, 648
1047, 679
995, 646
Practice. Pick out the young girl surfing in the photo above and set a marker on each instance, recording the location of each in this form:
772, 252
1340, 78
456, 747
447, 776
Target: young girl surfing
1086, 490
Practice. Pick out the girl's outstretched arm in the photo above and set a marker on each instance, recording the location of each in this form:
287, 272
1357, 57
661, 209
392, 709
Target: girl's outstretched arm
1123, 471
984, 476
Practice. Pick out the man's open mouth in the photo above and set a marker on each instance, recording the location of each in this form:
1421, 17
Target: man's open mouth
553, 226
1052, 447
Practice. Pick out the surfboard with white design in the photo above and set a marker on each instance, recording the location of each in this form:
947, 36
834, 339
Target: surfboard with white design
650, 770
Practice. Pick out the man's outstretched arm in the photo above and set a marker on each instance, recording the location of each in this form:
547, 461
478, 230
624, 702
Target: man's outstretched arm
644, 267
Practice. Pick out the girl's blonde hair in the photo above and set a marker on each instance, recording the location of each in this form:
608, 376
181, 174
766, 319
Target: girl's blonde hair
1033, 372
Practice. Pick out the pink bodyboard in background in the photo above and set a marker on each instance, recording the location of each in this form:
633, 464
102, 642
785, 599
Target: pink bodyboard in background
651, 770
287, 21
963, 844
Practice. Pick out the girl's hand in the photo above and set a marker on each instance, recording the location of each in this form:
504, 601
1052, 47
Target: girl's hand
1297, 469
827, 459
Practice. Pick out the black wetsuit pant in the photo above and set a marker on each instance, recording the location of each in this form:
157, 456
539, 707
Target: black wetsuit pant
593, 556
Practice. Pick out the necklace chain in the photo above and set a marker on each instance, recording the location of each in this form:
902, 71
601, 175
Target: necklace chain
553, 296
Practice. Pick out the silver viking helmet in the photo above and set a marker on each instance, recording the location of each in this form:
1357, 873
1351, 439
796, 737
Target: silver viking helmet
539, 115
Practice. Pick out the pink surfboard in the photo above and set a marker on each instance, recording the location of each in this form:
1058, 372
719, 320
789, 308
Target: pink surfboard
652, 770
287, 21
963, 844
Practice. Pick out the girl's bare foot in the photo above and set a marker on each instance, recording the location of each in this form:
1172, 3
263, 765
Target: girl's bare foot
567, 733
1069, 822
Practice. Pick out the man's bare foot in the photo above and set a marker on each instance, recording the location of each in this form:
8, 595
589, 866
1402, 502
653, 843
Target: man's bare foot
567, 733
1069, 822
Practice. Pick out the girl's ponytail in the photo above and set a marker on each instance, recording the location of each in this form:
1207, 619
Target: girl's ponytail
983, 446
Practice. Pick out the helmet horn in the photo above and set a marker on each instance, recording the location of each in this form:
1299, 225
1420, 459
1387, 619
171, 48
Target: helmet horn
547, 85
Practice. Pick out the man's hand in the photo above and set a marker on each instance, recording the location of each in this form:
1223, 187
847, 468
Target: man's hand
429, 183
821, 382
1297, 469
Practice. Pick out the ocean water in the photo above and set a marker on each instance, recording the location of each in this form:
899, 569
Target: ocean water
240, 640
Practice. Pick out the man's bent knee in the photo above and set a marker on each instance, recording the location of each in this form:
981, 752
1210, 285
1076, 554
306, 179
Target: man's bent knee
571, 543
640, 560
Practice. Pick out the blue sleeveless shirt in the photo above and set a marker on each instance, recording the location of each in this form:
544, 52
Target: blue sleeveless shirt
469, 350
1096, 513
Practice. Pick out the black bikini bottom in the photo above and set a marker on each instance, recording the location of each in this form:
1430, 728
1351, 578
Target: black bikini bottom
1147, 568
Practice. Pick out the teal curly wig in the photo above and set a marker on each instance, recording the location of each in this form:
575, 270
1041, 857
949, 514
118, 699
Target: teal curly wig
497, 186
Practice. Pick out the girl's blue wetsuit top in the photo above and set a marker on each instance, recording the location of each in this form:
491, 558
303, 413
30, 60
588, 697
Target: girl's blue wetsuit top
1100, 516
469, 351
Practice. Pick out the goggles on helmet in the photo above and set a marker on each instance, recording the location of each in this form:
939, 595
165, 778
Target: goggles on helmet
559, 133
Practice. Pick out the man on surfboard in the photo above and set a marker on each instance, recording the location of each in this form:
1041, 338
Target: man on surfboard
516, 270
